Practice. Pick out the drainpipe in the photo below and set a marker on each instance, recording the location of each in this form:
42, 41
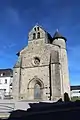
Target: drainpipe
50, 78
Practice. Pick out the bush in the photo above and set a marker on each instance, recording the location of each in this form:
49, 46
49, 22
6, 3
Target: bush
75, 98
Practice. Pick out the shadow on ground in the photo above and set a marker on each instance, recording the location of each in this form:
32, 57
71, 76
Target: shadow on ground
60, 110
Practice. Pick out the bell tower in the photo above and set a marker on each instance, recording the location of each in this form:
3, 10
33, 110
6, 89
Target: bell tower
59, 40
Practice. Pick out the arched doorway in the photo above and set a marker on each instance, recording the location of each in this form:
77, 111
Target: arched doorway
35, 88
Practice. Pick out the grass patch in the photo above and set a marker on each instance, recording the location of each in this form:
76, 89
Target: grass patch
75, 98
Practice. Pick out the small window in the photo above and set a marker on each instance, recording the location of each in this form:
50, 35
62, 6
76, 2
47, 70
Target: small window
38, 35
38, 28
0, 81
4, 90
34, 36
5, 81
11, 84
3, 74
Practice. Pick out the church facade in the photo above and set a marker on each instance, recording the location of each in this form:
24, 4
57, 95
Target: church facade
41, 71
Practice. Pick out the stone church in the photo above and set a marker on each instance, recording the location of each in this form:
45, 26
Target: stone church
41, 71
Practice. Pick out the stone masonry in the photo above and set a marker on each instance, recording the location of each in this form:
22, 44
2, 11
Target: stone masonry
41, 71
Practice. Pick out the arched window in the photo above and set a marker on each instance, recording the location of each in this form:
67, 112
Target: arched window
34, 35
37, 91
38, 28
38, 35
35, 29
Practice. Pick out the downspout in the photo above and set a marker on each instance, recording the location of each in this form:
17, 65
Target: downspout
50, 77
62, 89
20, 76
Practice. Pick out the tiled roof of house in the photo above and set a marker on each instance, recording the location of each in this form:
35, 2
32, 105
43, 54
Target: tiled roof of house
75, 87
6, 72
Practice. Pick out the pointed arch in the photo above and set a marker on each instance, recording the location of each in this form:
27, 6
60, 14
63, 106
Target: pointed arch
34, 35
38, 35
33, 81
36, 86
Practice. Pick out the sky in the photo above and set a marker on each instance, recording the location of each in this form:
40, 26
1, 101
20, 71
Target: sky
17, 17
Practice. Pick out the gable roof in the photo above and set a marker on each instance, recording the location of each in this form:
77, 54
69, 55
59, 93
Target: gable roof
37, 25
48, 36
6, 72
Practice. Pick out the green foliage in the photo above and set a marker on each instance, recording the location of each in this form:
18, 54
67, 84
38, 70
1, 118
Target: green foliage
75, 98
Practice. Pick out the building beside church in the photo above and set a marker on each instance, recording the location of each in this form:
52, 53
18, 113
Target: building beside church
6, 78
75, 91
41, 71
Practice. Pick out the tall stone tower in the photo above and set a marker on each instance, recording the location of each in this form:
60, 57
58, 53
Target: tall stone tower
41, 72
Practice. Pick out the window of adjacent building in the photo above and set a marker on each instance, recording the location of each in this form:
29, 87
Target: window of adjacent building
38, 35
34, 35
76, 91
4, 90
0, 81
5, 81
11, 84
2, 74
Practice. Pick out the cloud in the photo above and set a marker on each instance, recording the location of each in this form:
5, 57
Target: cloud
12, 16
9, 46
12, 45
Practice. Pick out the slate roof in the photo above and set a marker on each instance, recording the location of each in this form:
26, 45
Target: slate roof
18, 63
6, 72
49, 37
75, 87
58, 35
